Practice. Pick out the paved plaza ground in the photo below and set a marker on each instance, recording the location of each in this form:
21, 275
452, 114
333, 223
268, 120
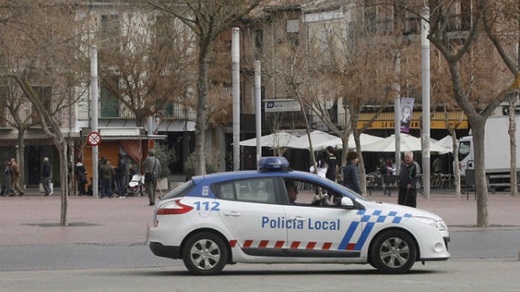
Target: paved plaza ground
34, 219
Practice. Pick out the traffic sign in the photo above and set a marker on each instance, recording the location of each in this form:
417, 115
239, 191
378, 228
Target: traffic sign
94, 139
282, 105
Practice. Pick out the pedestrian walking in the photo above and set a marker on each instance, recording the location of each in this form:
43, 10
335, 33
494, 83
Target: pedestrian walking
408, 181
46, 176
81, 177
122, 175
320, 168
152, 169
332, 163
15, 177
90, 188
382, 167
351, 172
106, 175
7, 190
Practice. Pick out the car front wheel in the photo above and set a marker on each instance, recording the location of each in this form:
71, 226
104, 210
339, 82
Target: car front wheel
393, 252
205, 253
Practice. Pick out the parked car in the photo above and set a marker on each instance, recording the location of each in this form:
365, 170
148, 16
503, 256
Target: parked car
248, 217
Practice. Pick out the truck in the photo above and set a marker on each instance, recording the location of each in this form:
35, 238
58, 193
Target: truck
496, 151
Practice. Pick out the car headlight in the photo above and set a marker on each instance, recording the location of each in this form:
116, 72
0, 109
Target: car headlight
439, 224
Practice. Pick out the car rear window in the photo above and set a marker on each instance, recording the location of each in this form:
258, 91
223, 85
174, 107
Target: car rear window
180, 190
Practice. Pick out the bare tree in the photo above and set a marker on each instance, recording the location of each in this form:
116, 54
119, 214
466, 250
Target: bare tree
13, 100
457, 46
145, 61
329, 68
208, 19
368, 65
42, 58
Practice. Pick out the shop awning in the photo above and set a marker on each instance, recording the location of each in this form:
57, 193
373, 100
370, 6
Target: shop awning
176, 126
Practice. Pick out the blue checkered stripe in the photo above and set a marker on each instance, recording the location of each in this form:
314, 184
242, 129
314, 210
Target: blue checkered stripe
349, 242
377, 216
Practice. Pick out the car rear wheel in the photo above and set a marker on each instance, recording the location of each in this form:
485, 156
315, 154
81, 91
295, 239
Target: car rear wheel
393, 252
205, 253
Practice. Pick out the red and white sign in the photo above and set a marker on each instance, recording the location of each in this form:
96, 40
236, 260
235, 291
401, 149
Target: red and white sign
94, 139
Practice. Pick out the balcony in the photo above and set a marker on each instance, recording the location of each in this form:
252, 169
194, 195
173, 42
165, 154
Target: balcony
113, 109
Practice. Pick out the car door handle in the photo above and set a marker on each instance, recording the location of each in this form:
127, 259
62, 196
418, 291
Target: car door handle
297, 218
232, 214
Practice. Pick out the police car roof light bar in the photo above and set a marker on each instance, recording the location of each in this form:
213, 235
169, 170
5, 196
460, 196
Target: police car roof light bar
273, 163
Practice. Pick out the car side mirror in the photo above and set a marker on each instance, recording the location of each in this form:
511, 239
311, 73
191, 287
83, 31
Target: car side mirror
347, 203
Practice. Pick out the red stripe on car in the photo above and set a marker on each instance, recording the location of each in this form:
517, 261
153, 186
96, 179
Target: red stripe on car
295, 244
310, 245
326, 245
279, 244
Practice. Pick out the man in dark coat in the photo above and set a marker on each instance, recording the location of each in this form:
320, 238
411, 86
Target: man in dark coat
122, 175
106, 175
46, 176
81, 177
408, 180
332, 163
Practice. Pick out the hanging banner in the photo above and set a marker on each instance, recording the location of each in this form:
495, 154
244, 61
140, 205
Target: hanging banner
406, 113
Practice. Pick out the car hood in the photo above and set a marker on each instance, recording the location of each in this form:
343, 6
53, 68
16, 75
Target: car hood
388, 207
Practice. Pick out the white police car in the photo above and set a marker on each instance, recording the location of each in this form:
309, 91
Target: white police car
248, 217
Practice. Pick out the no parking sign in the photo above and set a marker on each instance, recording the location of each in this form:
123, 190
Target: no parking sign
94, 139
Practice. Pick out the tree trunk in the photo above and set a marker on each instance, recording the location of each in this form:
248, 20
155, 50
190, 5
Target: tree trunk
53, 130
478, 133
456, 169
361, 162
200, 127
512, 141
61, 147
20, 159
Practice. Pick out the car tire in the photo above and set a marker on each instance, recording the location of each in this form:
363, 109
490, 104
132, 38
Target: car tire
205, 253
393, 252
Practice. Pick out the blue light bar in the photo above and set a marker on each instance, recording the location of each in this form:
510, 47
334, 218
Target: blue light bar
273, 163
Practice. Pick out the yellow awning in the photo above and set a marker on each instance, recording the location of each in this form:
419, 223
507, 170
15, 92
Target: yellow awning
457, 120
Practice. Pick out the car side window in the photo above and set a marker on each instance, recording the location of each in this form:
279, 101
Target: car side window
312, 194
250, 190
226, 191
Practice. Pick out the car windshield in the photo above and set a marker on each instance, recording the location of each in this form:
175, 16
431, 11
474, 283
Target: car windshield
352, 193
344, 189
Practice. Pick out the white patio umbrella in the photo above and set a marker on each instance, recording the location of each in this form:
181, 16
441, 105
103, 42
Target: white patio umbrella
408, 143
274, 140
320, 141
365, 139
446, 142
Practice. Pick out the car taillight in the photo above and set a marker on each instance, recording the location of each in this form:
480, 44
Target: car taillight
174, 208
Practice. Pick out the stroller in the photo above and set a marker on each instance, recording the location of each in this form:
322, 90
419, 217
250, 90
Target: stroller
136, 185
